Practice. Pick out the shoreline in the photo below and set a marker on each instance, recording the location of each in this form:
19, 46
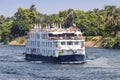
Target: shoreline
92, 44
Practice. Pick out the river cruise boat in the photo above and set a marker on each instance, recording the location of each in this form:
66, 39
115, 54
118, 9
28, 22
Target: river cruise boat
55, 44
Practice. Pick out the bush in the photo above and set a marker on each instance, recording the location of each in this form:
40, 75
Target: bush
108, 42
22, 40
5, 36
118, 37
117, 43
6, 41
96, 38
88, 38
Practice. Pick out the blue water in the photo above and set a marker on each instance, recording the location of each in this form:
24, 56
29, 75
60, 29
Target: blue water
102, 64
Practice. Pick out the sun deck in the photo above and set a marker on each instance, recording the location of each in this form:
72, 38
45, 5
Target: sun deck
56, 33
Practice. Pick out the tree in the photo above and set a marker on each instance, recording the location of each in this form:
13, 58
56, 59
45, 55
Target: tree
20, 28
68, 21
5, 36
34, 14
63, 13
54, 18
23, 21
5, 32
113, 19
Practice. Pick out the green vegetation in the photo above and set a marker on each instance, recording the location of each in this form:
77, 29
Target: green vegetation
104, 22
88, 38
18, 41
112, 42
108, 43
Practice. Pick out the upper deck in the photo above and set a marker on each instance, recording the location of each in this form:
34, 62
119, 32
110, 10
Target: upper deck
55, 33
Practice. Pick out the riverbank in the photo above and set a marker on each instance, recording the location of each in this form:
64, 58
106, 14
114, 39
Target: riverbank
94, 42
18, 41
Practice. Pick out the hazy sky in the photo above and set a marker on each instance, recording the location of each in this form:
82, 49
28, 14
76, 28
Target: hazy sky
9, 7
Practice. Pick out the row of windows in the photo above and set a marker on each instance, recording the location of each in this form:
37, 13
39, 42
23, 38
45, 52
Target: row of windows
50, 44
38, 36
71, 43
42, 51
39, 44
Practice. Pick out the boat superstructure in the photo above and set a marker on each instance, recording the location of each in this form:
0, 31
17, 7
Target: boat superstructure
56, 44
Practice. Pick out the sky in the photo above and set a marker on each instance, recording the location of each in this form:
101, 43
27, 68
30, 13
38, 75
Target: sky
9, 7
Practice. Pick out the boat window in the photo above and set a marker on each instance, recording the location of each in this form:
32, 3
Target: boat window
50, 44
38, 36
76, 43
27, 49
33, 50
62, 43
69, 43
50, 35
55, 44
82, 43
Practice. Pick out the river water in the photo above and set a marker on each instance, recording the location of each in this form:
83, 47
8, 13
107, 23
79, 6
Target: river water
102, 64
